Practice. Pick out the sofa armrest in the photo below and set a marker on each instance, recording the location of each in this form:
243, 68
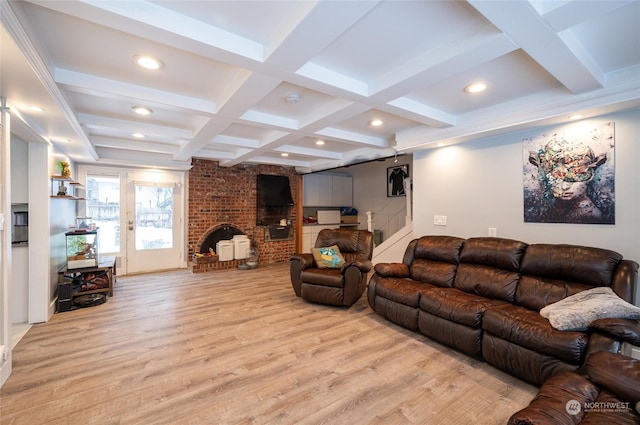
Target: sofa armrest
392, 270
626, 330
617, 373
306, 260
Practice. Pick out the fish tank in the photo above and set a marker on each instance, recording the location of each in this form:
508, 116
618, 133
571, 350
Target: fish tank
82, 249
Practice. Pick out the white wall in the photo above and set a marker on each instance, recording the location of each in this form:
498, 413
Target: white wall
478, 185
370, 194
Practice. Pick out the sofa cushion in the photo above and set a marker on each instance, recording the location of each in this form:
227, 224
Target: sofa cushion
433, 272
553, 272
578, 311
456, 306
444, 249
528, 329
403, 291
580, 264
486, 281
489, 267
534, 292
500, 253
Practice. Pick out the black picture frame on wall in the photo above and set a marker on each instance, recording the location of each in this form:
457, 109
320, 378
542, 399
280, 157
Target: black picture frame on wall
395, 180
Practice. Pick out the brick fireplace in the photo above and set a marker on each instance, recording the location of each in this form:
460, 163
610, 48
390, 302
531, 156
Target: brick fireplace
226, 196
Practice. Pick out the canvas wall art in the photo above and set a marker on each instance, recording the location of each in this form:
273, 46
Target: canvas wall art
569, 176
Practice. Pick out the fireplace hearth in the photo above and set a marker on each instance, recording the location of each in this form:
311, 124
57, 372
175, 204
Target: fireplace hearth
223, 232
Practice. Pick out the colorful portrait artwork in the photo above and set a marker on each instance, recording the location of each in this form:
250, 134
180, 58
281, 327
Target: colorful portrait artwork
569, 176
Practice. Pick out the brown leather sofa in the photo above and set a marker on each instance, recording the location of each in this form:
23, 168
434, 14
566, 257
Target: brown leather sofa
482, 296
605, 393
334, 286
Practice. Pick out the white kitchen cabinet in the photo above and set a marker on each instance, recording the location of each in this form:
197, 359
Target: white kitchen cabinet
327, 190
310, 234
342, 195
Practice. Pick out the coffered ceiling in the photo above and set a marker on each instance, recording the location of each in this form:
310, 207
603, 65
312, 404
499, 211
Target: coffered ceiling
253, 81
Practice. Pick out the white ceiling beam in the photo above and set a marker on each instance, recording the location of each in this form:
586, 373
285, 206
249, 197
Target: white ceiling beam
135, 145
354, 138
523, 24
241, 142
572, 13
299, 41
90, 84
248, 89
309, 152
156, 16
331, 113
127, 126
534, 111
109, 156
434, 65
212, 128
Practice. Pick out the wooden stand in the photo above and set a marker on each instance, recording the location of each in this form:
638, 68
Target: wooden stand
75, 282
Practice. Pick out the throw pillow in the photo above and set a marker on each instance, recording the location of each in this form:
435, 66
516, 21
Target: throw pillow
328, 257
576, 312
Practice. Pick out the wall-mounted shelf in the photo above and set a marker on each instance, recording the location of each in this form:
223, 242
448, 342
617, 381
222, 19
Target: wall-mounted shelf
71, 189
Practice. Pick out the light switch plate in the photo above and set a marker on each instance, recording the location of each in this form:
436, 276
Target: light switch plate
440, 220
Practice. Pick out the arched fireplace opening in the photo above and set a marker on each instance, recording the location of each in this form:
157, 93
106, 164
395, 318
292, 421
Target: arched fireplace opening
223, 232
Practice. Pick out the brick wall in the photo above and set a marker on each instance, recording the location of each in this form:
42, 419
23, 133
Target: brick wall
227, 195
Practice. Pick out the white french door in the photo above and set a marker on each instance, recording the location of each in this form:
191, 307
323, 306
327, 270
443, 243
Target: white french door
139, 214
153, 226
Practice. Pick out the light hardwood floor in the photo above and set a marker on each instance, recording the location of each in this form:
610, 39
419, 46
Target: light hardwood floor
237, 347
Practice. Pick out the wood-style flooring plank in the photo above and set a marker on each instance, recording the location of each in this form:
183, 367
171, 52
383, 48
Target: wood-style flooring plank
237, 347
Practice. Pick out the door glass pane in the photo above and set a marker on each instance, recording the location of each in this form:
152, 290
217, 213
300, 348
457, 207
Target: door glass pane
103, 206
154, 217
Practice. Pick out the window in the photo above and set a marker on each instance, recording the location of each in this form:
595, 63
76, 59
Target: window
103, 206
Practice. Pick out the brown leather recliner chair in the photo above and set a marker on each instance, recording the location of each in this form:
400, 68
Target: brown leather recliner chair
334, 286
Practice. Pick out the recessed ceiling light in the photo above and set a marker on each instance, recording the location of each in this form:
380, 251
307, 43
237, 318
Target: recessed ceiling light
138, 135
148, 62
284, 154
141, 110
375, 123
576, 117
475, 87
36, 108
319, 142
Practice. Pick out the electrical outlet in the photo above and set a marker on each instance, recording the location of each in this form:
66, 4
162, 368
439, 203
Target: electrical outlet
493, 232
440, 220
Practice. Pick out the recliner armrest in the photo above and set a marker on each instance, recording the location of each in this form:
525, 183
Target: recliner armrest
392, 269
364, 266
627, 330
306, 260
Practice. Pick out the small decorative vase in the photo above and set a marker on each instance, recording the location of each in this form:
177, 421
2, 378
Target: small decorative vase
62, 189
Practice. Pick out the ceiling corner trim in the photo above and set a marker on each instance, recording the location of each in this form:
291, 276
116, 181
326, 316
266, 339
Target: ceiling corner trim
17, 31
